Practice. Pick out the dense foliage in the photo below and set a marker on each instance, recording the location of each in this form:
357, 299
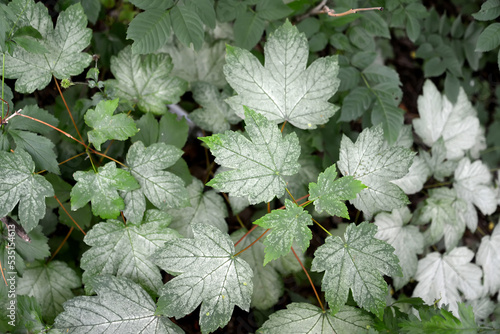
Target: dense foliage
237, 166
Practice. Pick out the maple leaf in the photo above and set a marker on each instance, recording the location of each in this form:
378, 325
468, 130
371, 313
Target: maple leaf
329, 194
145, 80
121, 306
473, 185
375, 165
50, 284
101, 189
108, 126
19, 184
441, 277
406, 240
258, 162
488, 257
356, 264
207, 273
456, 123
283, 89
64, 45
215, 115
307, 318
162, 188
124, 250
205, 208
286, 226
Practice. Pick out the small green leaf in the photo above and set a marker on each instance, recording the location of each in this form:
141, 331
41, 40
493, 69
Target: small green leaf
286, 226
258, 164
489, 38
150, 30
357, 264
206, 12
207, 272
355, 104
187, 26
101, 189
108, 126
18, 184
31, 45
329, 194
145, 80
119, 304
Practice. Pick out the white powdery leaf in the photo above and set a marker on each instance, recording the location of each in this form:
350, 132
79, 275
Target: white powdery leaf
267, 282
440, 168
301, 318
206, 208
488, 257
456, 123
121, 306
207, 272
375, 166
63, 44
414, 181
284, 89
406, 240
473, 185
441, 277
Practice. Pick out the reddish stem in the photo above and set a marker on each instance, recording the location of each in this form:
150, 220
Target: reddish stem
244, 249
310, 280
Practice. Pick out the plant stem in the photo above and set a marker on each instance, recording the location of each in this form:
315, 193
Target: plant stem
324, 229
244, 249
310, 280
64, 209
67, 108
245, 235
62, 244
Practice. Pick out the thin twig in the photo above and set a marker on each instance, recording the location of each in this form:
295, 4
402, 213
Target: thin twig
315, 11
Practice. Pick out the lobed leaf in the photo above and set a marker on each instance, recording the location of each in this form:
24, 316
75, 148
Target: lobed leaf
356, 264
206, 272
258, 163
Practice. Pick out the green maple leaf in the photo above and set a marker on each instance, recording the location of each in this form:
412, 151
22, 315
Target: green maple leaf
108, 126
286, 226
329, 194
258, 162
207, 273
356, 264
283, 89
121, 306
307, 318
163, 189
215, 115
18, 184
124, 250
50, 284
64, 45
370, 161
145, 80
101, 189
